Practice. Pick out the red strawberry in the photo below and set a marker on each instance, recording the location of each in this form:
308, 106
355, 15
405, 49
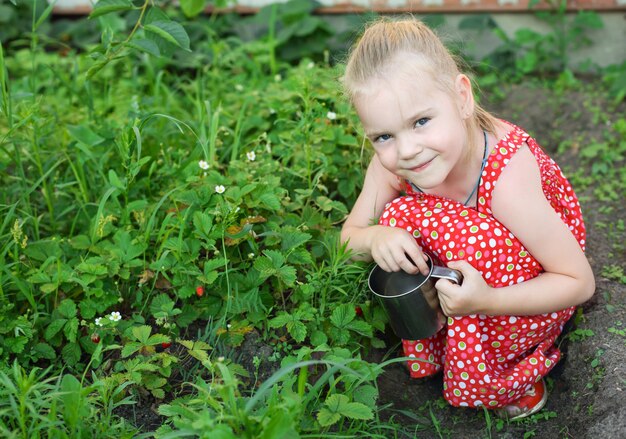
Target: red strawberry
166, 345
358, 310
199, 291
95, 337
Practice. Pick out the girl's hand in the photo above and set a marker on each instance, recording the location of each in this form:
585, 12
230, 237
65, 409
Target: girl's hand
465, 299
395, 249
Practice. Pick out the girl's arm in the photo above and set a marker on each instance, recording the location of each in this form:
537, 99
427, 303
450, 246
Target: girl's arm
390, 247
521, 206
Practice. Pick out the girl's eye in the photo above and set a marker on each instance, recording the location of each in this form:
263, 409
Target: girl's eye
421, 122
382, 138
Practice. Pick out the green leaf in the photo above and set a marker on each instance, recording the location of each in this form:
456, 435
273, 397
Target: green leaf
88, 308
44, 350
145, 45
158, 339
270, 201
299, 256
357, 410
80, 242
203, 223
185, 292
276, 257
361, 327
264, 266
209, 278
341, 336
170, 31
103, 7
130, 348
366, 394
142, 333
48, 288
67, 308
92, 266
297, 330
71, 353
43, 250
126, 247
338, 404
326, 204
188, 315
197, 349
280, 426
191, 8
326, 418
84, 135
342, 315
281, 320
292, 238
54, 328
115, 180
288, 275
46, 13
71, 329
318, 338
161, 305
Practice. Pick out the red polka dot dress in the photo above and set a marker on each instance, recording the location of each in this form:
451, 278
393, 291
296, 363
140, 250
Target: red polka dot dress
487, 360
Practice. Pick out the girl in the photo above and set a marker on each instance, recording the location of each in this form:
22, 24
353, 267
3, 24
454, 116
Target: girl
482, 197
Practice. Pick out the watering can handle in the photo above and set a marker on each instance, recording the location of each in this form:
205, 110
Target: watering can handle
452, 275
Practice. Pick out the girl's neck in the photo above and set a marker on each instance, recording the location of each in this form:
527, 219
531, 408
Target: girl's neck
464, 177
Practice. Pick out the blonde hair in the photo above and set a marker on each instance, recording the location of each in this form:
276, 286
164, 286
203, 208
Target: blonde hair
386, 38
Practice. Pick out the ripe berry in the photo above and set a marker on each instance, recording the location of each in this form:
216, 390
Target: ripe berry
199, 291
95, 337
358, 310
166, 345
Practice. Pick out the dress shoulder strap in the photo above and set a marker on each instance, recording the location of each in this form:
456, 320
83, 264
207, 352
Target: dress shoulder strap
499, 157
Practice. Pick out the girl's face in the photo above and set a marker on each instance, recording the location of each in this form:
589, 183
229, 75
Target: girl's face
416, 128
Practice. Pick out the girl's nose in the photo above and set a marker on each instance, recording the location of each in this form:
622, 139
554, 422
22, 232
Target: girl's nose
407, 148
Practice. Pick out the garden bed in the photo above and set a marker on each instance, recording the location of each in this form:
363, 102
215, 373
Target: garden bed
169, 253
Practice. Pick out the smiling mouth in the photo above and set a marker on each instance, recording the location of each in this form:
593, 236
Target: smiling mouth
422, 166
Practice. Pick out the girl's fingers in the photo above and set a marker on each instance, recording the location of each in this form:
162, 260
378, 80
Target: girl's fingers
417, 260
445, 287
388, 264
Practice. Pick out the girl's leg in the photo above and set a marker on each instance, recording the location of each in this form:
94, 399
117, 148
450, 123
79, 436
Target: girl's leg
429, 355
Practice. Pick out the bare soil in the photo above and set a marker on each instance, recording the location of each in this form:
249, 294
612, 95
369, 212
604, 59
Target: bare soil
587, 387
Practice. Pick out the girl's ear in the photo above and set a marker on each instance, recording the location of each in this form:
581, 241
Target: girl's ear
463, 87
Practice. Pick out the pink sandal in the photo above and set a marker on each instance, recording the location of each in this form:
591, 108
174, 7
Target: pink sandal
530, 403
